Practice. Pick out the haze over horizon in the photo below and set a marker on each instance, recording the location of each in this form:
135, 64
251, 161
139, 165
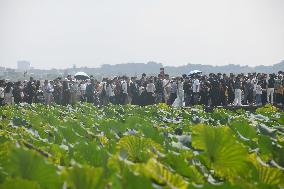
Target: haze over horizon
58, 34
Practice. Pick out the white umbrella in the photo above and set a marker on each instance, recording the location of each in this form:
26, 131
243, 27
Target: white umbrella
81, 75
195, 72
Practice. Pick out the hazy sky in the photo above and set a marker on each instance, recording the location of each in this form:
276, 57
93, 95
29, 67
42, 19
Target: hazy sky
59, 33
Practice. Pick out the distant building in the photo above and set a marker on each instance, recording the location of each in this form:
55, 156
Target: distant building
23, 65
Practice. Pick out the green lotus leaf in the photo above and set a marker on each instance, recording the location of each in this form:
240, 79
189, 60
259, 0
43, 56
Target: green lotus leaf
181, 166
130, 180
219, 186
242, 126
125, 146
161, 174
29, 165
266, 175
138, 149
90, 154
278, 154
153, 133
68, 134
265, 147
221, 151
84, 177
270, 175
18, 183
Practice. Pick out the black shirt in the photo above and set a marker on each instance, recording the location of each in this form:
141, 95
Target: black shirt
271, 83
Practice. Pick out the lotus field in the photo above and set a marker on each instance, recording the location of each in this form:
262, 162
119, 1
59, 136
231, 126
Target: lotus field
131, 147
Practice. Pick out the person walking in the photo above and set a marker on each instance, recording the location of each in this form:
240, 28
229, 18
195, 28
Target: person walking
270, 88
110, 91
47, 89
231, 94
279, 90
134, 91
238, 92
8, 94
18, 93
187, 88
179, 101
173, 94
258, 93
167, 88
214, 90
30, 91
195, 89
159, 89
58, 92
2, 91
150, 88
75, 92
90, 91
82, 87
124, 90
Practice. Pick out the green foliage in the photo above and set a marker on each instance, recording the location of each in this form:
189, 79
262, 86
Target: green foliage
29, 165
243, 127
265, 175
161, 175
138, 149
268, 109
90, 154
265, 147
221, 150
84, 177
18, 183
180, 164
125, 147
130, 180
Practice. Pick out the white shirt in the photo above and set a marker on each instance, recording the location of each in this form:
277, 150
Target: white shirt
173, 87
110, 90
8, 97
180, 87
74, 88
1, 92
166, 86
47, 88
141, 89
150, 88
258, 89
254, 82
83, 86
124, 87
165, 82
103, 85
196, 86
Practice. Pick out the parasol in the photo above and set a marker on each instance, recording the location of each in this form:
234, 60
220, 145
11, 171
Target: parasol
81, 76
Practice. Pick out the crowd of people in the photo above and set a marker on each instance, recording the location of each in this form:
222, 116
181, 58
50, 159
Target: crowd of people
186, 90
